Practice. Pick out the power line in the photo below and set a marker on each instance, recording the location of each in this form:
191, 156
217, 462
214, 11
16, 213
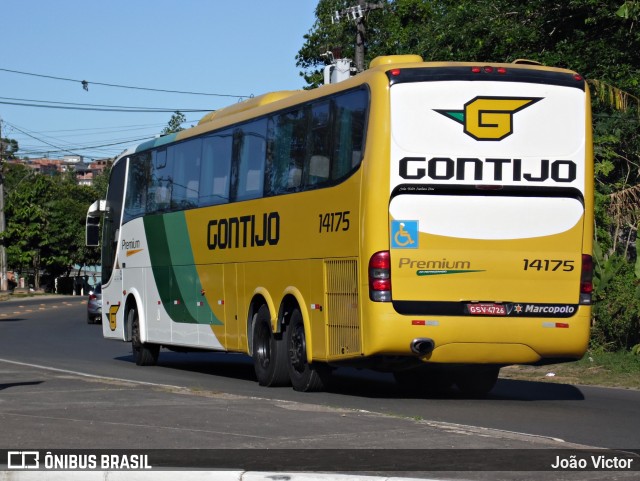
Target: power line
100, 130
96, 108
40, 140
85, 85
61, 149
92, 147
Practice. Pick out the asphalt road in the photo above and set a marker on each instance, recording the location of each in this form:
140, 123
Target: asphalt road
63, 386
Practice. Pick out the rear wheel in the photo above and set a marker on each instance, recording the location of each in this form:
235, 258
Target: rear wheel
144, 354
477, 381
304, 376
269, 353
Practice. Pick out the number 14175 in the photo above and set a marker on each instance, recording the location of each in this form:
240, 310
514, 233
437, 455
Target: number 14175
548, 265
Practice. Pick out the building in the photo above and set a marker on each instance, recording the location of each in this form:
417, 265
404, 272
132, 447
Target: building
85, 173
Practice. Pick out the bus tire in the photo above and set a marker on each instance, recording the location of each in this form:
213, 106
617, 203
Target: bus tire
269, 354
477, 381
144, 354
305, 377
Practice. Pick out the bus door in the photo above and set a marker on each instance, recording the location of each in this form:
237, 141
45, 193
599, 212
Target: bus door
487, 204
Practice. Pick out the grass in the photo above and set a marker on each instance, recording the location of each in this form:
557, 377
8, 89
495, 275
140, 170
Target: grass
598, 368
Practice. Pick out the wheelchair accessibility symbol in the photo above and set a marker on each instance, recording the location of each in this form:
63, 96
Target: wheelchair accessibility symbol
404, 234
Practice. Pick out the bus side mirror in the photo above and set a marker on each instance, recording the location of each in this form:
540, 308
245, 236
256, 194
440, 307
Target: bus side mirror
97, 209
93, 231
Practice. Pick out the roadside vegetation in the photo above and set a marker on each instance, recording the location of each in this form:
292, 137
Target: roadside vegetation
598, 367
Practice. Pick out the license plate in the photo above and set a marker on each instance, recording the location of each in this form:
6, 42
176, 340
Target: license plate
487, 309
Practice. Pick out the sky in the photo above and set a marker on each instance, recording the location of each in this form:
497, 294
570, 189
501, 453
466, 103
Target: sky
233, 49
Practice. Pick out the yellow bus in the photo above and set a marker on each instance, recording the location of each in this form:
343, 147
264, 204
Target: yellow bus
434, 220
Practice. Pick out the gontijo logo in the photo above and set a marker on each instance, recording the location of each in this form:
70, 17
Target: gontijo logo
489, 118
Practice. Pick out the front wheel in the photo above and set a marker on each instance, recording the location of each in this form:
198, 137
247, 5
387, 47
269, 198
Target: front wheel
304, 376
144, 354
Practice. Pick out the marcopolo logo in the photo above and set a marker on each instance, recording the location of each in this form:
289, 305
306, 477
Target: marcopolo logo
489, 118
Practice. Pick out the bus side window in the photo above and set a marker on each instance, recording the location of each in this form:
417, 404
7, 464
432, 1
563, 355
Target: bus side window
285, 152
349, 119
186, 172
216, 169
251, 160
318, 162
159, 187
136, 196
152, 183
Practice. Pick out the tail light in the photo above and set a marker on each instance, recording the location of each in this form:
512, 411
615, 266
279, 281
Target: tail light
380, 277
586, 279
92, 297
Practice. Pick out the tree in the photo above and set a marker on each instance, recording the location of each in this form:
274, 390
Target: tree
64, 236
588, 36
8, 148
45, 222
175, 123
26, 218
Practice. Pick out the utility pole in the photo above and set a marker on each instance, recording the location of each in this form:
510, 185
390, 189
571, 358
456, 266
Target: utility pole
3, 252
358, 13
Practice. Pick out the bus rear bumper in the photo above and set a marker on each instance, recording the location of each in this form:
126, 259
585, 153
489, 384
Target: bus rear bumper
486, 340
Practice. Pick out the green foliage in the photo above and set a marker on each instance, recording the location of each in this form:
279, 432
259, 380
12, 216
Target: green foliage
101, 182
605, 270
175, 123
617, 311
45, 218
585, 35
8, 148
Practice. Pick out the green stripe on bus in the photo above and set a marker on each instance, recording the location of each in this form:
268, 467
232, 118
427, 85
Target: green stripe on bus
174, 271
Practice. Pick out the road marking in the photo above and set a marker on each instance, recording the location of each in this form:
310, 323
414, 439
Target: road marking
93, 376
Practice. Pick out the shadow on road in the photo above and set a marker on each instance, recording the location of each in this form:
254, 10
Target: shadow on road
16, 384
514, 390
234, 366
362, 382
381, 385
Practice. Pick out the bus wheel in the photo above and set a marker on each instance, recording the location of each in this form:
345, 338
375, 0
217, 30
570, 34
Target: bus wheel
269, 353
144, 354
477, 381
304, 376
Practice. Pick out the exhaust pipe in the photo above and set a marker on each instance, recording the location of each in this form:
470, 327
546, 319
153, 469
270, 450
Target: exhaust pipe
422, 346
